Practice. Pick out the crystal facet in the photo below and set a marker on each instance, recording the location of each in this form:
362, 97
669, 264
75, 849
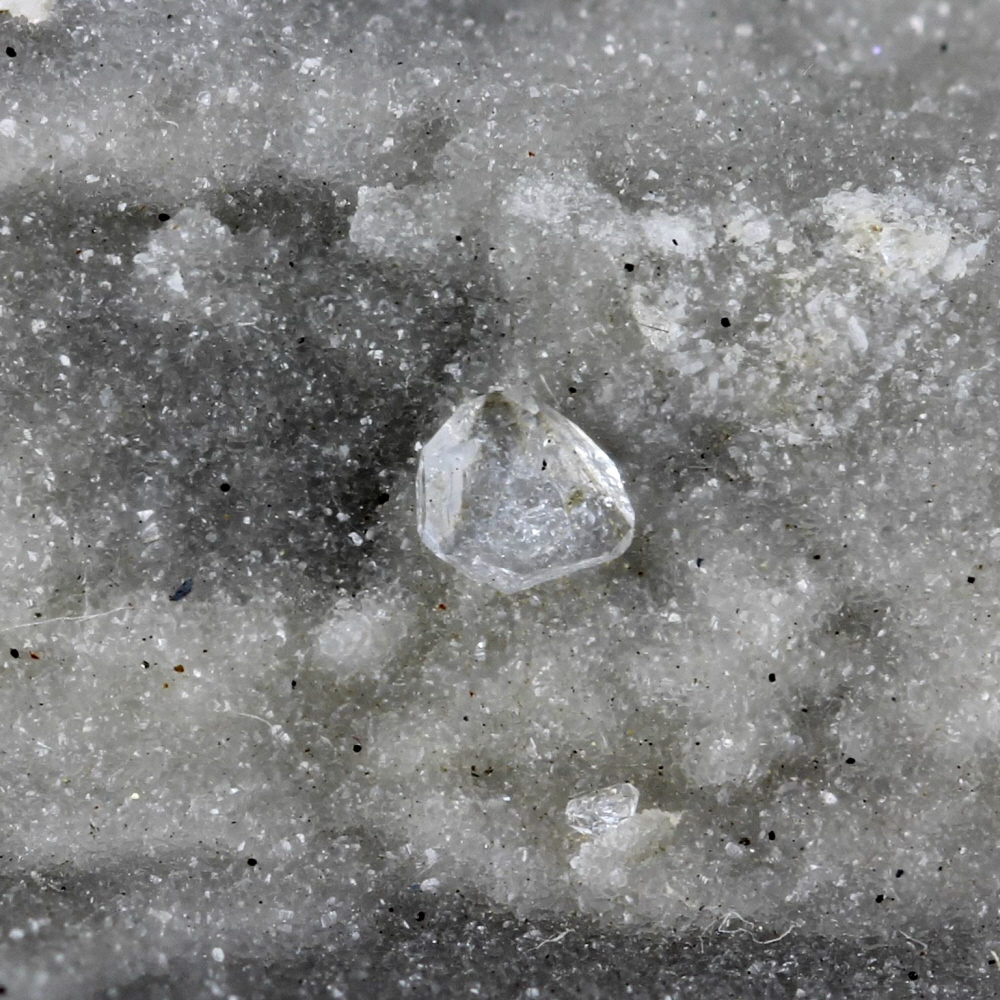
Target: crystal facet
512, 493
601, 810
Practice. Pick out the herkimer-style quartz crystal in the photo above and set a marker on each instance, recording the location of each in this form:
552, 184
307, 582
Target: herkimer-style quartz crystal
602, 810
512, 493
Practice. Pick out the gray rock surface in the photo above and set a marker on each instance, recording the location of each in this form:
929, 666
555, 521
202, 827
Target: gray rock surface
254, 254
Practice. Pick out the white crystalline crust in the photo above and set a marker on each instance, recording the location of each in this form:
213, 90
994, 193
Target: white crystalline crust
31, 10
512, 494
251, 252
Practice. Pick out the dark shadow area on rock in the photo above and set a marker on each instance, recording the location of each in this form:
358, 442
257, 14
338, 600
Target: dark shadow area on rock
425, 947
266, 438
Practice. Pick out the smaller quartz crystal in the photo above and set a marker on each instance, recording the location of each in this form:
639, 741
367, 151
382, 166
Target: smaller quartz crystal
512, 493
602, 810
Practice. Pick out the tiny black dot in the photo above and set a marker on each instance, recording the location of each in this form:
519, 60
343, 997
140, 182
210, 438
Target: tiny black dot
163, 217
770, 834
850, 760
913, 976
971, 579
817, 556
11, 51
630, 267
356, 748
420, 915
900, 873
772, 678
725, 322
944, 46
458, 239
252, 862
571, 389
225, 487
295, 683
14, 653
879, 898
383, 498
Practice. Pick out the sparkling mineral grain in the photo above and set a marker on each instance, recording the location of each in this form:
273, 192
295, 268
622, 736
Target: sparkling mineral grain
602, 810
511, 493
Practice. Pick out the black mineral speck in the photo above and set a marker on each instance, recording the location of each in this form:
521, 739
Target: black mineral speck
356, 748
770, 834
913, 976
252, 862
971, 579
900, 873
880, 898
772, 678
630, 267
14, 653
725, 322
420, 916
225, 487
383, 498
183, 590
163, 217
11, 51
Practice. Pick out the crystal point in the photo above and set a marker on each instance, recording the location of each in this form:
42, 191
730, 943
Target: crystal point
602, 810
512, 493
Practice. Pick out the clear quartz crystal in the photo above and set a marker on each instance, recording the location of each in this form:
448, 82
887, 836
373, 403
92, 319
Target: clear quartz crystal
602, 810
512, 493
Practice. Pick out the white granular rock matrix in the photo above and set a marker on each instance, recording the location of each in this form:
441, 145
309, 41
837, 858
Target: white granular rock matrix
667, 670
